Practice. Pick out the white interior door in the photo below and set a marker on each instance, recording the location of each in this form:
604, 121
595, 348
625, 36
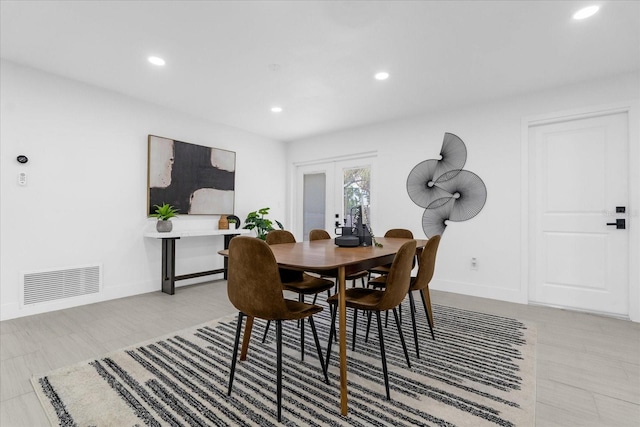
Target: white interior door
324, 192
580, 180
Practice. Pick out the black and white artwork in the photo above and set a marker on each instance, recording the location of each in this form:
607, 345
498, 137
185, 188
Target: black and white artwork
192, 178
445, 190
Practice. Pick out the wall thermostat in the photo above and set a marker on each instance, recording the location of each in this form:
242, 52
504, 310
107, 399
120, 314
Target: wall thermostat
22, 158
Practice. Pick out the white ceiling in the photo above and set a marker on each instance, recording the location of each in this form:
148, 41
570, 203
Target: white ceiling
221, 54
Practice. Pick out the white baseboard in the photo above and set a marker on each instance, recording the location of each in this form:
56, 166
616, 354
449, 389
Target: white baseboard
482, 291
13, 310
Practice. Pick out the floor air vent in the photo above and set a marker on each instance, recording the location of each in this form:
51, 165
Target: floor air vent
55, 285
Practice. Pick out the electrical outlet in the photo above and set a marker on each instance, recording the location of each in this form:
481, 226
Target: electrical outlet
474, 263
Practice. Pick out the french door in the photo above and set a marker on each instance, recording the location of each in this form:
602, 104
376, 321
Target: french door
326, 193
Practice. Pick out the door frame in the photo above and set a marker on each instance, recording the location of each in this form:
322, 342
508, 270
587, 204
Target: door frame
631, 108
370, 156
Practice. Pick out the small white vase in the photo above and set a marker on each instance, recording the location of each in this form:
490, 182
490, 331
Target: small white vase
164, 226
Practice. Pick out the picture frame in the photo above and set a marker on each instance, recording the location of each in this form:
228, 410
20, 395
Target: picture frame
194, 179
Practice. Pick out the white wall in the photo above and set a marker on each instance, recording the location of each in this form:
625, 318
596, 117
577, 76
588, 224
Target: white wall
87, 150
85, 201
492, 133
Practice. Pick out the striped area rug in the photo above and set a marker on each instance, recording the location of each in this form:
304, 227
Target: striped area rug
479, 371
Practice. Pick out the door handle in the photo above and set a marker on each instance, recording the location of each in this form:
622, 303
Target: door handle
620, 224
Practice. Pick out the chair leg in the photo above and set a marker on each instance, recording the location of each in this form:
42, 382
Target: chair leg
266, 329
332, 332
426, 302
383, 355
355, 323
366, 337
301, 298
404, 344
279, 367
320, 358
235, 351
335, 335
413, 321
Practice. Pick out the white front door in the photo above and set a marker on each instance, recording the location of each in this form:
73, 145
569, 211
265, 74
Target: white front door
579, 185
325, 191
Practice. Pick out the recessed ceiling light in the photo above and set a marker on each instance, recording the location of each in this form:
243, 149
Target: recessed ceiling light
155, 60
383, 75
586, 12
276, 109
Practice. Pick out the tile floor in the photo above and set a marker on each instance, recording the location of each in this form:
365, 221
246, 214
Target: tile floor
588, 366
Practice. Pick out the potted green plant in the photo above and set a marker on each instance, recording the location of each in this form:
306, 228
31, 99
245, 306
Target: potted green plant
233, 220
257, 220
164, 214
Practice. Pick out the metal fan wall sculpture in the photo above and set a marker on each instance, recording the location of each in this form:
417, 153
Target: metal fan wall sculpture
444, 189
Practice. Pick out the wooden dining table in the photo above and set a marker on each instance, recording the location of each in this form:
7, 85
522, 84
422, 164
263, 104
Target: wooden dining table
324, 257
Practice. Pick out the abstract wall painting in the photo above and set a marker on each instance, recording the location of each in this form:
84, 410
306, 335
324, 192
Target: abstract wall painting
195, 179
445, 190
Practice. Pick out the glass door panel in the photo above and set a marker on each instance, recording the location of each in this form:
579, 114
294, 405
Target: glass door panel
326, 193
314, 199
314, 202
356, 191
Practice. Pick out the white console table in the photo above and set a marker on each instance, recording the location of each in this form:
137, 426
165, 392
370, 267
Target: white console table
169, 253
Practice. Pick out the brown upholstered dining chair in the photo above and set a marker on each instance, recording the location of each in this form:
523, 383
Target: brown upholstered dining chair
319, 234
255, 289
374, 300
394, 232
383, 270
296, 281
420, 283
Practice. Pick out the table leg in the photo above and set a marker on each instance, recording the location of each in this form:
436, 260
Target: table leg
342, 310
169, 266
246, 337
227, 239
